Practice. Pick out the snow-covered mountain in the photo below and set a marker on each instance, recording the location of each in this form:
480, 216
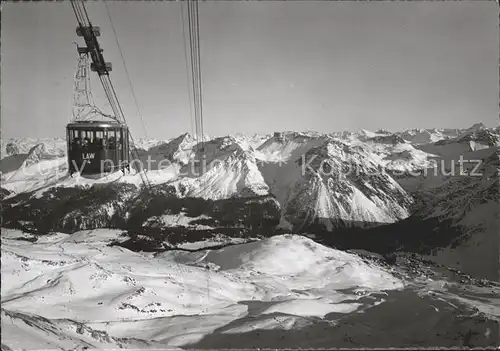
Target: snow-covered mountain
303, 181
175, 150
425, 136
332, 184
224, 169
472, 139
16, 146
468, 200
228, 168
15, 152
205, 259
144, 144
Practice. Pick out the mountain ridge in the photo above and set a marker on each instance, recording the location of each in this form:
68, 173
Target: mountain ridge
355, 180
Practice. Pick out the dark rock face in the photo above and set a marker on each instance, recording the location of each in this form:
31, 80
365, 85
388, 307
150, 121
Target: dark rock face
392, 139
11, 149
413, 234
4, 193
12, 162
123, 206
260, 212
236, 217
486, 136
68, 210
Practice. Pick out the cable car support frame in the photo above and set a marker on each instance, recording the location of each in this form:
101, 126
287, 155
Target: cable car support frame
90, 33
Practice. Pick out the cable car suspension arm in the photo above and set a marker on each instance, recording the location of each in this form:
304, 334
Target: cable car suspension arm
99, 65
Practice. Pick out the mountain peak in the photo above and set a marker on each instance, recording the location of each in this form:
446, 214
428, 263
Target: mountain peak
477, 127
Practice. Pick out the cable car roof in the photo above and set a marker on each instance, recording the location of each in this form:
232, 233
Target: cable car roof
95, 124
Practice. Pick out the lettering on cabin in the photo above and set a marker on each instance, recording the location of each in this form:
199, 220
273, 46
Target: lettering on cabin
88, 156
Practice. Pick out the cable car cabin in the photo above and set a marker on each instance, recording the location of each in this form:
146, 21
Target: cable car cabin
96, 147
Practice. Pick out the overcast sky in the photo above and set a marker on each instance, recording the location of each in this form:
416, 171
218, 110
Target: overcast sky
266, 66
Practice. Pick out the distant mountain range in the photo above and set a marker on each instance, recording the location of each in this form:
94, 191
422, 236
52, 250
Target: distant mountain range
281, 182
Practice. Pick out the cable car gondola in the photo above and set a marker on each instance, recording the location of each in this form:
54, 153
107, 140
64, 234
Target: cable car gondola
96, 147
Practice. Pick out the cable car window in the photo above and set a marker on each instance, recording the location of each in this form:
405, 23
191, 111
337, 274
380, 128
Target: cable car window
105, 138
88, 138
119, 138
99, 134
111, 139
76, 139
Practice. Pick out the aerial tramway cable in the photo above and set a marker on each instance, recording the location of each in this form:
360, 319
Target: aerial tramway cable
126, 70
199, 70
190, 99
111, 88
194, 41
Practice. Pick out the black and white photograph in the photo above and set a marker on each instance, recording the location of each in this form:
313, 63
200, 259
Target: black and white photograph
250, 174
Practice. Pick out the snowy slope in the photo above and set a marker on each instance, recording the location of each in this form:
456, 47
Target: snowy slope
30, 177
336, 184
474, 138
144, 144
364, 134
426, 136
285, 146
97, 295
17, 153
223, 169
468, 199
251, 141
16, 146
162, 153
398, 157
